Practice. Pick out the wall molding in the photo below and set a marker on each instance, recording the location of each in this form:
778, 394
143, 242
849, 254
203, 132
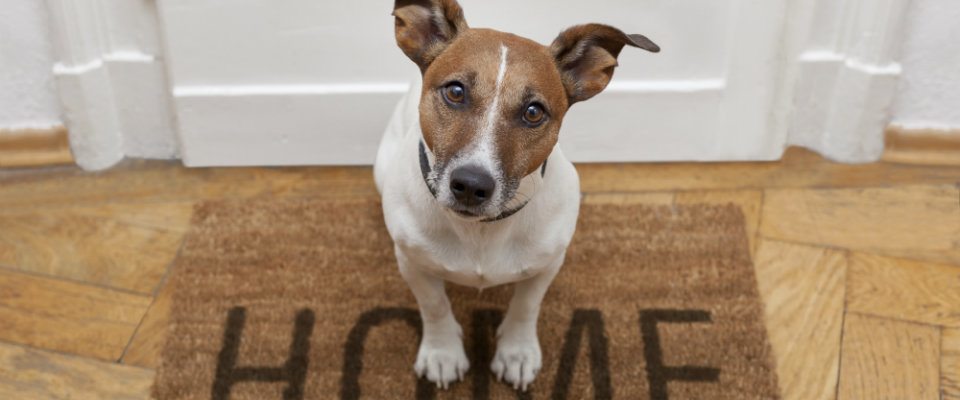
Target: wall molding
908, 145
34, 147
846, 76
111, 81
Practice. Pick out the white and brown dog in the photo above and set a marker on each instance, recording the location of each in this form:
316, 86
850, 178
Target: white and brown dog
475, 189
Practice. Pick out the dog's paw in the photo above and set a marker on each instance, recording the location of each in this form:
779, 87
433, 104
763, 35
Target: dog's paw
442, 361
518, 360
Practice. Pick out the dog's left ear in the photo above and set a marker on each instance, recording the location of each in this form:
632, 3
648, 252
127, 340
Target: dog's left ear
587, 55
424, 28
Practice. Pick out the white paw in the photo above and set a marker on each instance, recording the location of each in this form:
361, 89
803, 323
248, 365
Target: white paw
442, 361
518, 360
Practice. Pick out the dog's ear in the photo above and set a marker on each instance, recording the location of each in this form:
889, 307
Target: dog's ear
424, 28
587, 55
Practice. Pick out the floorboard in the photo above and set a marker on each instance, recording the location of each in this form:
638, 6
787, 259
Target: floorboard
919, 222
858, 265
803, 291
28, 374
889, 359
903, 289
66, 316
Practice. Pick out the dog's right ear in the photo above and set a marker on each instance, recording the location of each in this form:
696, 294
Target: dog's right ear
424, 28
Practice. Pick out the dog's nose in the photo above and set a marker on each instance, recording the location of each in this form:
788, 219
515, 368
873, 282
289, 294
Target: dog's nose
471, 185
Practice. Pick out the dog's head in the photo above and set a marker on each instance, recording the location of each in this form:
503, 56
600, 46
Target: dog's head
493, 103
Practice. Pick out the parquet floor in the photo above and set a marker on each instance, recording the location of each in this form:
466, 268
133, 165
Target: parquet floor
859, 265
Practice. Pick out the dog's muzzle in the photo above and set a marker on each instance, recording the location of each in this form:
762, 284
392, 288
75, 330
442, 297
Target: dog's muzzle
471, 185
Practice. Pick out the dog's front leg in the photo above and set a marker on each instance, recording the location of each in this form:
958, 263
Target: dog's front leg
441, 357
518, 358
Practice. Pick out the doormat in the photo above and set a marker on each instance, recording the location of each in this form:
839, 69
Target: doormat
302, 300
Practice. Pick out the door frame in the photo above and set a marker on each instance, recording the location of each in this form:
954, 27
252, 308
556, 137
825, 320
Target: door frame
841, 77
836, 78
111, 78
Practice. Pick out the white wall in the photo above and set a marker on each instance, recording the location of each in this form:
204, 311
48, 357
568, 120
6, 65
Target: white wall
27, 93
929, 95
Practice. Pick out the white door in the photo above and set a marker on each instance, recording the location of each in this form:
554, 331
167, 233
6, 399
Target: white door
269, 82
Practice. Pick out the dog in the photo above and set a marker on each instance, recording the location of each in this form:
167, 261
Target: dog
474, 188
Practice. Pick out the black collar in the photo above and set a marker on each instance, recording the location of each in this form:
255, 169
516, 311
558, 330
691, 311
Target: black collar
425, 170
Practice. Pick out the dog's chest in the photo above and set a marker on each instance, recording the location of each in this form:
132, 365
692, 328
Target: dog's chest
485, 260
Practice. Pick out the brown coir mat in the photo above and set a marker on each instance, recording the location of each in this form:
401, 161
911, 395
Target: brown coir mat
302, 300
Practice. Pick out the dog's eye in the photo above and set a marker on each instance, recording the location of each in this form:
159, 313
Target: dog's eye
534, 114
454, 93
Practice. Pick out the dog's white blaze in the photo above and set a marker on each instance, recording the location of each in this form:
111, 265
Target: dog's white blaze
484, 150
483, 153
491, 117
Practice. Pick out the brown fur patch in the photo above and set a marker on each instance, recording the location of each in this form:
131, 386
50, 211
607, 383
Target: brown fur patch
531, 75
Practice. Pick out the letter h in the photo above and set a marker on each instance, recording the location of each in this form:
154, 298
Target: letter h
293, 371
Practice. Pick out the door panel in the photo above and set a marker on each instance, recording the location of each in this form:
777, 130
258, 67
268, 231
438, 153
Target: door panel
258, 82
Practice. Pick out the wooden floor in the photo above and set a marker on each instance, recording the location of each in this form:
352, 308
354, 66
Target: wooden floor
859, 266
